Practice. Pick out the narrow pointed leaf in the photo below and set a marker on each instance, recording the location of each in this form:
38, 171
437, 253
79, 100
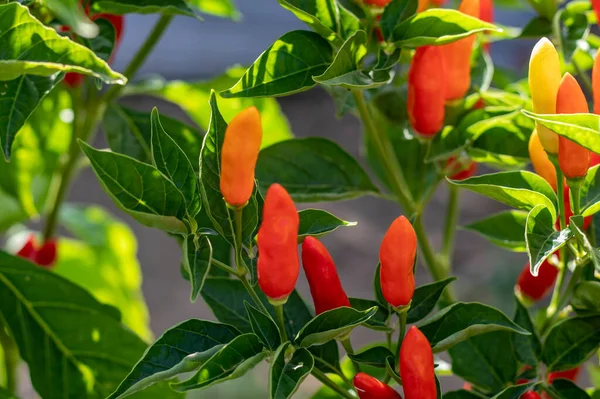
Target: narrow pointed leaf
378, 321
590, 192
220, 8
461, 321
332, 324
285, 377
585, 297
505, 229
181, 349
286, 67
264, 327
527, 347
197, 258
425, 298
320, 15
513, 392
565, 389
394, 13
139, 189
120, 7
317, 222
571, 342
375, 356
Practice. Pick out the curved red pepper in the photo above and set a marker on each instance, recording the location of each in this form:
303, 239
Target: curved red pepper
416, 366
371, 388
535, 288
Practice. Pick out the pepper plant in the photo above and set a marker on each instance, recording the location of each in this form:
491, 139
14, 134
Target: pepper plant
419, 76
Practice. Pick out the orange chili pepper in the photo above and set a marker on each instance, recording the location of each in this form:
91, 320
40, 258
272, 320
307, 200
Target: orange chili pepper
541, 162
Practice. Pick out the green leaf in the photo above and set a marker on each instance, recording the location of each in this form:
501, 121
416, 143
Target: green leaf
332, 324
377, 288
220, 8
21, 97
193, 96
30, 48
391, 369
71, 14
93, 361
565, 389
585, 297
230, 362
120, 7
4, 394
181, 349
264, 327
317, 223
394, 13
571, 342
462, 394
575, 29
513, 392
104, 43
487, 361
139, 189
210, 175
320, 15
170, 159
505, 229
375, 356
321, 171
425, 298
590, 192
527, 347
345, 71
197, 259
583, 240
579, 128
438, 26
520, 189
285, 377
461, 321
287, 67
541, 238
378, 321
105, 247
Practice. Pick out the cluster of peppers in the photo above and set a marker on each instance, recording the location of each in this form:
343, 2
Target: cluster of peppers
279, 266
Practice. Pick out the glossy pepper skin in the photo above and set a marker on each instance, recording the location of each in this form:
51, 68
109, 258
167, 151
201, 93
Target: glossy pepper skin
535, 288
397, 257
369, 387
46, 255
416, 366
28, 250
457, 57
239, 155
530, 395
596, 7
425, 98
573, 159
541, 162
278, 264
459, 171
544, 80
325, 285
570, 375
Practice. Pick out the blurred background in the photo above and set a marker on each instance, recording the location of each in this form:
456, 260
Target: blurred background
194, 50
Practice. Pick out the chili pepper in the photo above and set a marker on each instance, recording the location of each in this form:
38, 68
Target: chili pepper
596, 70
530, 395
457, 57
397, 257
438, 2
486, 13
570, 375
239, 155
596, 7
416, 366
29, 249
535, 288
574, 160
568, 212
541, 162
278, 265
594, 159
46, 255
460, 171
378, 3
325, 285
423, 5
377, 30
544, 80
425, 99
369, 387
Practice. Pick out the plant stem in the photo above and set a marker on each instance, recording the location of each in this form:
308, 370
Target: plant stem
388, 339
239, 262
280, 322
11, 360
553, 307
451, 221
436, 271
350, 351
224, 267
402, 319
140, 57
252, 293
322, 377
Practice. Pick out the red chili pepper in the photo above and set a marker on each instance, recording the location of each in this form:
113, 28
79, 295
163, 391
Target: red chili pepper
239, 155
570, 375
416, 366
28, 250
369, 387
596, 7
46, 255
425, 99
325, 285
574, 160
397, 257
596, 69
530, 395
377, 30
457, 57
378, 3
460, 171
278, 265
535, 288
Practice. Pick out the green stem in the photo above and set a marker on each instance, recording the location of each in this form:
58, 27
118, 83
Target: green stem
140, 57
583, 76
252, 293
553, 307
388, 339
436, 271
280, 322
239, 262
402, 319
11, 360
576, 193
350, 351
322, 377
451, 221
224, 267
